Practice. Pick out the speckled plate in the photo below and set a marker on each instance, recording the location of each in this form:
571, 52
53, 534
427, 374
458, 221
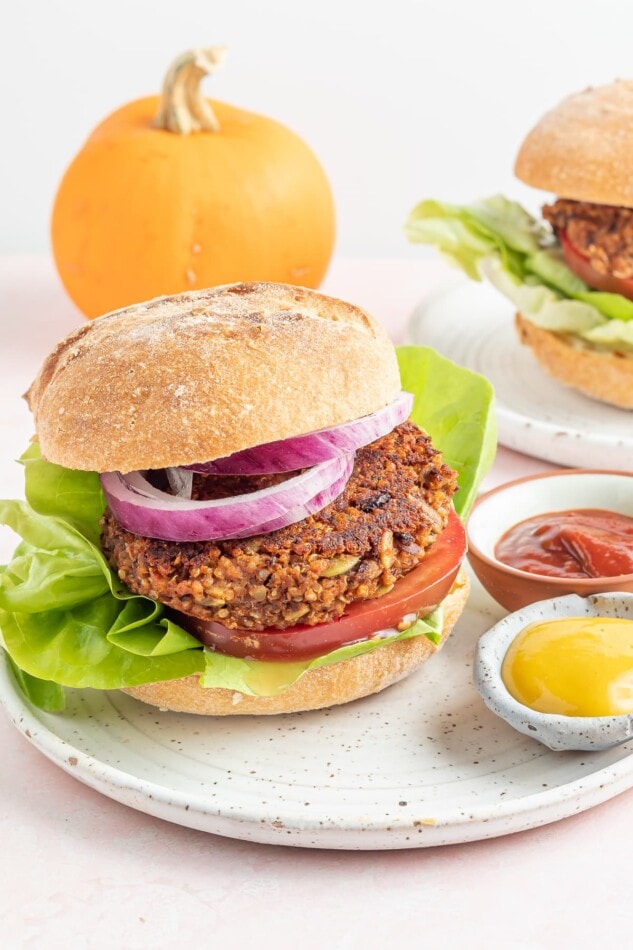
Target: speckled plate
473, 324
424, 763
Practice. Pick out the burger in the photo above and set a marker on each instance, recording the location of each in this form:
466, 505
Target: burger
570, 273
230, 511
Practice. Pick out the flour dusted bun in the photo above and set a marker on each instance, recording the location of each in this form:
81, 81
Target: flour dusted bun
581, 149
317, 689
604, 375
200, 375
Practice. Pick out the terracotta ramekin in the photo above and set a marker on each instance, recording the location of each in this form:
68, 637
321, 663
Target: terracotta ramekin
562, 490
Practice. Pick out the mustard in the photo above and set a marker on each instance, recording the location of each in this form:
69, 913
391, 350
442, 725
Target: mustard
577, 666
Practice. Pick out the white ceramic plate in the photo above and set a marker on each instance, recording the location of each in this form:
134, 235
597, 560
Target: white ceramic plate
473, 325
424, 763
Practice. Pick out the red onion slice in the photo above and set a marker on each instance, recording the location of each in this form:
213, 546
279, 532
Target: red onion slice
145, 510
302, 451
180, 481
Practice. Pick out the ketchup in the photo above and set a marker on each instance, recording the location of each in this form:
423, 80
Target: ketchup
583, 543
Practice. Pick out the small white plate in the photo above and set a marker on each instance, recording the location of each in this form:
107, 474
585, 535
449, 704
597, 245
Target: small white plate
473, 325
556, 731
424, 763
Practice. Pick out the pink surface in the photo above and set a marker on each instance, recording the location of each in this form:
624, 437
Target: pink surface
78, 870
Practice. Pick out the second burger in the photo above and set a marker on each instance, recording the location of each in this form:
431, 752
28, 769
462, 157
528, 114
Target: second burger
570, 274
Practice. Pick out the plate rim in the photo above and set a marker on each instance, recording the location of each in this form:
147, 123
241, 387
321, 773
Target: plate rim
480, 821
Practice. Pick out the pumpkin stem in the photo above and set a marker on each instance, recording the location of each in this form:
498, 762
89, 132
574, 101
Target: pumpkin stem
183, 109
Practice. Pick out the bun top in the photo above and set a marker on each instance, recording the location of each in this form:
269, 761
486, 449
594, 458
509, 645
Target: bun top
200, 375
582, 149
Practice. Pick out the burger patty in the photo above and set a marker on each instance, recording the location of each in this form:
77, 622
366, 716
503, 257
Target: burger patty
394, 506
602, 233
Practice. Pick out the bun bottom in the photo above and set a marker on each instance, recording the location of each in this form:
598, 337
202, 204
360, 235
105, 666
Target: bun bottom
603, 376
317, 689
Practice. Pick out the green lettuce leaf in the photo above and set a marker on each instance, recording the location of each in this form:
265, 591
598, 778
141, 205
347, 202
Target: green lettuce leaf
41, 693
612, 335
64, 493
54, 567
73, 648
497, 239
67, 620
255, 678
456, 408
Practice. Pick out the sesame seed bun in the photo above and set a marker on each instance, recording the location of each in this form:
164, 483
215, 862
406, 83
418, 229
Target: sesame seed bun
316, 689
200, 375
581, 149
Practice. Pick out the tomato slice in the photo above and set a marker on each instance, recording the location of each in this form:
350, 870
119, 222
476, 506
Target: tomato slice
423, 587
581, 266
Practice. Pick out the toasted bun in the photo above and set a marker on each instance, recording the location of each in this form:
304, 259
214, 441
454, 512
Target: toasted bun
602, 375
200, 375
317, 689
582, 148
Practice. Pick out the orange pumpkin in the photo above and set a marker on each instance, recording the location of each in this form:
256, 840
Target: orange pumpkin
177, 193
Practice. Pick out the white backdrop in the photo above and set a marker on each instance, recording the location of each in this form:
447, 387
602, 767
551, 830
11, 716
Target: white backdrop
401, 100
